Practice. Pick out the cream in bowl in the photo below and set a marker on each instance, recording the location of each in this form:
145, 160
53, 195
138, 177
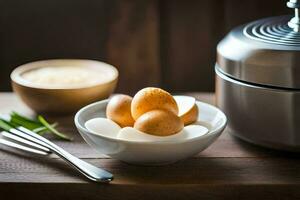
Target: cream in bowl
157, 143
64, 85
67, 77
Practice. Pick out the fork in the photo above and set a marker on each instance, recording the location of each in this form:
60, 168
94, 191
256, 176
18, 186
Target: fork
44, 146
21, 147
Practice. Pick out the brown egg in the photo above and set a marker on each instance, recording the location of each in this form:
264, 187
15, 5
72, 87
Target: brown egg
188, 109
190, 116
159, 123
152, 98
118, 110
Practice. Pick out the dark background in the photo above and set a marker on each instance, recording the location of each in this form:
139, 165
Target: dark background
164, 43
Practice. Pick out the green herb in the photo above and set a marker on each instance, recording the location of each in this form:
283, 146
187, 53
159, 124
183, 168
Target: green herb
39, 125
5, 125
22, 117
53, 130
42, 130
21, 120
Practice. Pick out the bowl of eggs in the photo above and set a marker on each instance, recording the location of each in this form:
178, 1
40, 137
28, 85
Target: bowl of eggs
151, 128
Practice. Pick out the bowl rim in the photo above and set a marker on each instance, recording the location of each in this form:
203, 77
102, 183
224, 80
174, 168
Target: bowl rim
16, 77
80, 128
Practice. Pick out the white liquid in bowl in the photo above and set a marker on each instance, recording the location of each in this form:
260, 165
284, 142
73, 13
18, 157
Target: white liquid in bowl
67, 76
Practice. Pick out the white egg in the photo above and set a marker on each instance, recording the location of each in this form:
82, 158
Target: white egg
188, 132
132, 134
185, 104
192, 131
108, 128
188, 109
103, 126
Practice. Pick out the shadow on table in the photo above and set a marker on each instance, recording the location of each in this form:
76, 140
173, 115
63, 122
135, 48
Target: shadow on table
50, 162
264, 151
252, 164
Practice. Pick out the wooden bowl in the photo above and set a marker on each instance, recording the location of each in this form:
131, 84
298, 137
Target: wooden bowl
61, 100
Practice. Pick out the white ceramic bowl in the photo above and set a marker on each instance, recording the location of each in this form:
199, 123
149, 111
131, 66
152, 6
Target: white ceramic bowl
151, 153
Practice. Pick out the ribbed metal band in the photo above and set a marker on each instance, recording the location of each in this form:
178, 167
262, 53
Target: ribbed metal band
274, 30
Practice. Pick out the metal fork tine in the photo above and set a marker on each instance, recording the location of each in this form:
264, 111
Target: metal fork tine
24, 141
26, 136
21, 147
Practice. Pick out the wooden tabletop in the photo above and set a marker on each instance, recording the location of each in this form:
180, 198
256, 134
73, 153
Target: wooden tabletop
228, 169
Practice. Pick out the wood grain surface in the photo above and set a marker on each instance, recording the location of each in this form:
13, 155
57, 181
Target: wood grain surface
228, 169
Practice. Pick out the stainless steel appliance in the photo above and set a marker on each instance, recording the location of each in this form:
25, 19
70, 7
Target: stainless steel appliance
258, 80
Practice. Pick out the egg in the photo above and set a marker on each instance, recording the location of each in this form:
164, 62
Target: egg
132, 134
159, 122
152, 98
188, 109
119, 110
188, 132
103, 126
193, 131
108, 128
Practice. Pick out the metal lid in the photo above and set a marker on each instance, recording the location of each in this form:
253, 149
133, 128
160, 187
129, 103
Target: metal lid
265, 51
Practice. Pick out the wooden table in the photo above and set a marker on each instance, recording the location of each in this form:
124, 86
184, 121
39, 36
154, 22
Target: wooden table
228, 169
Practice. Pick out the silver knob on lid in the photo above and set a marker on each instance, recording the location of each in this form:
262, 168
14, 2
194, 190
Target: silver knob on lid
294, 23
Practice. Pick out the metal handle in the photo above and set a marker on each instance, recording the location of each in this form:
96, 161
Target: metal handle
294, 23
90, 171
